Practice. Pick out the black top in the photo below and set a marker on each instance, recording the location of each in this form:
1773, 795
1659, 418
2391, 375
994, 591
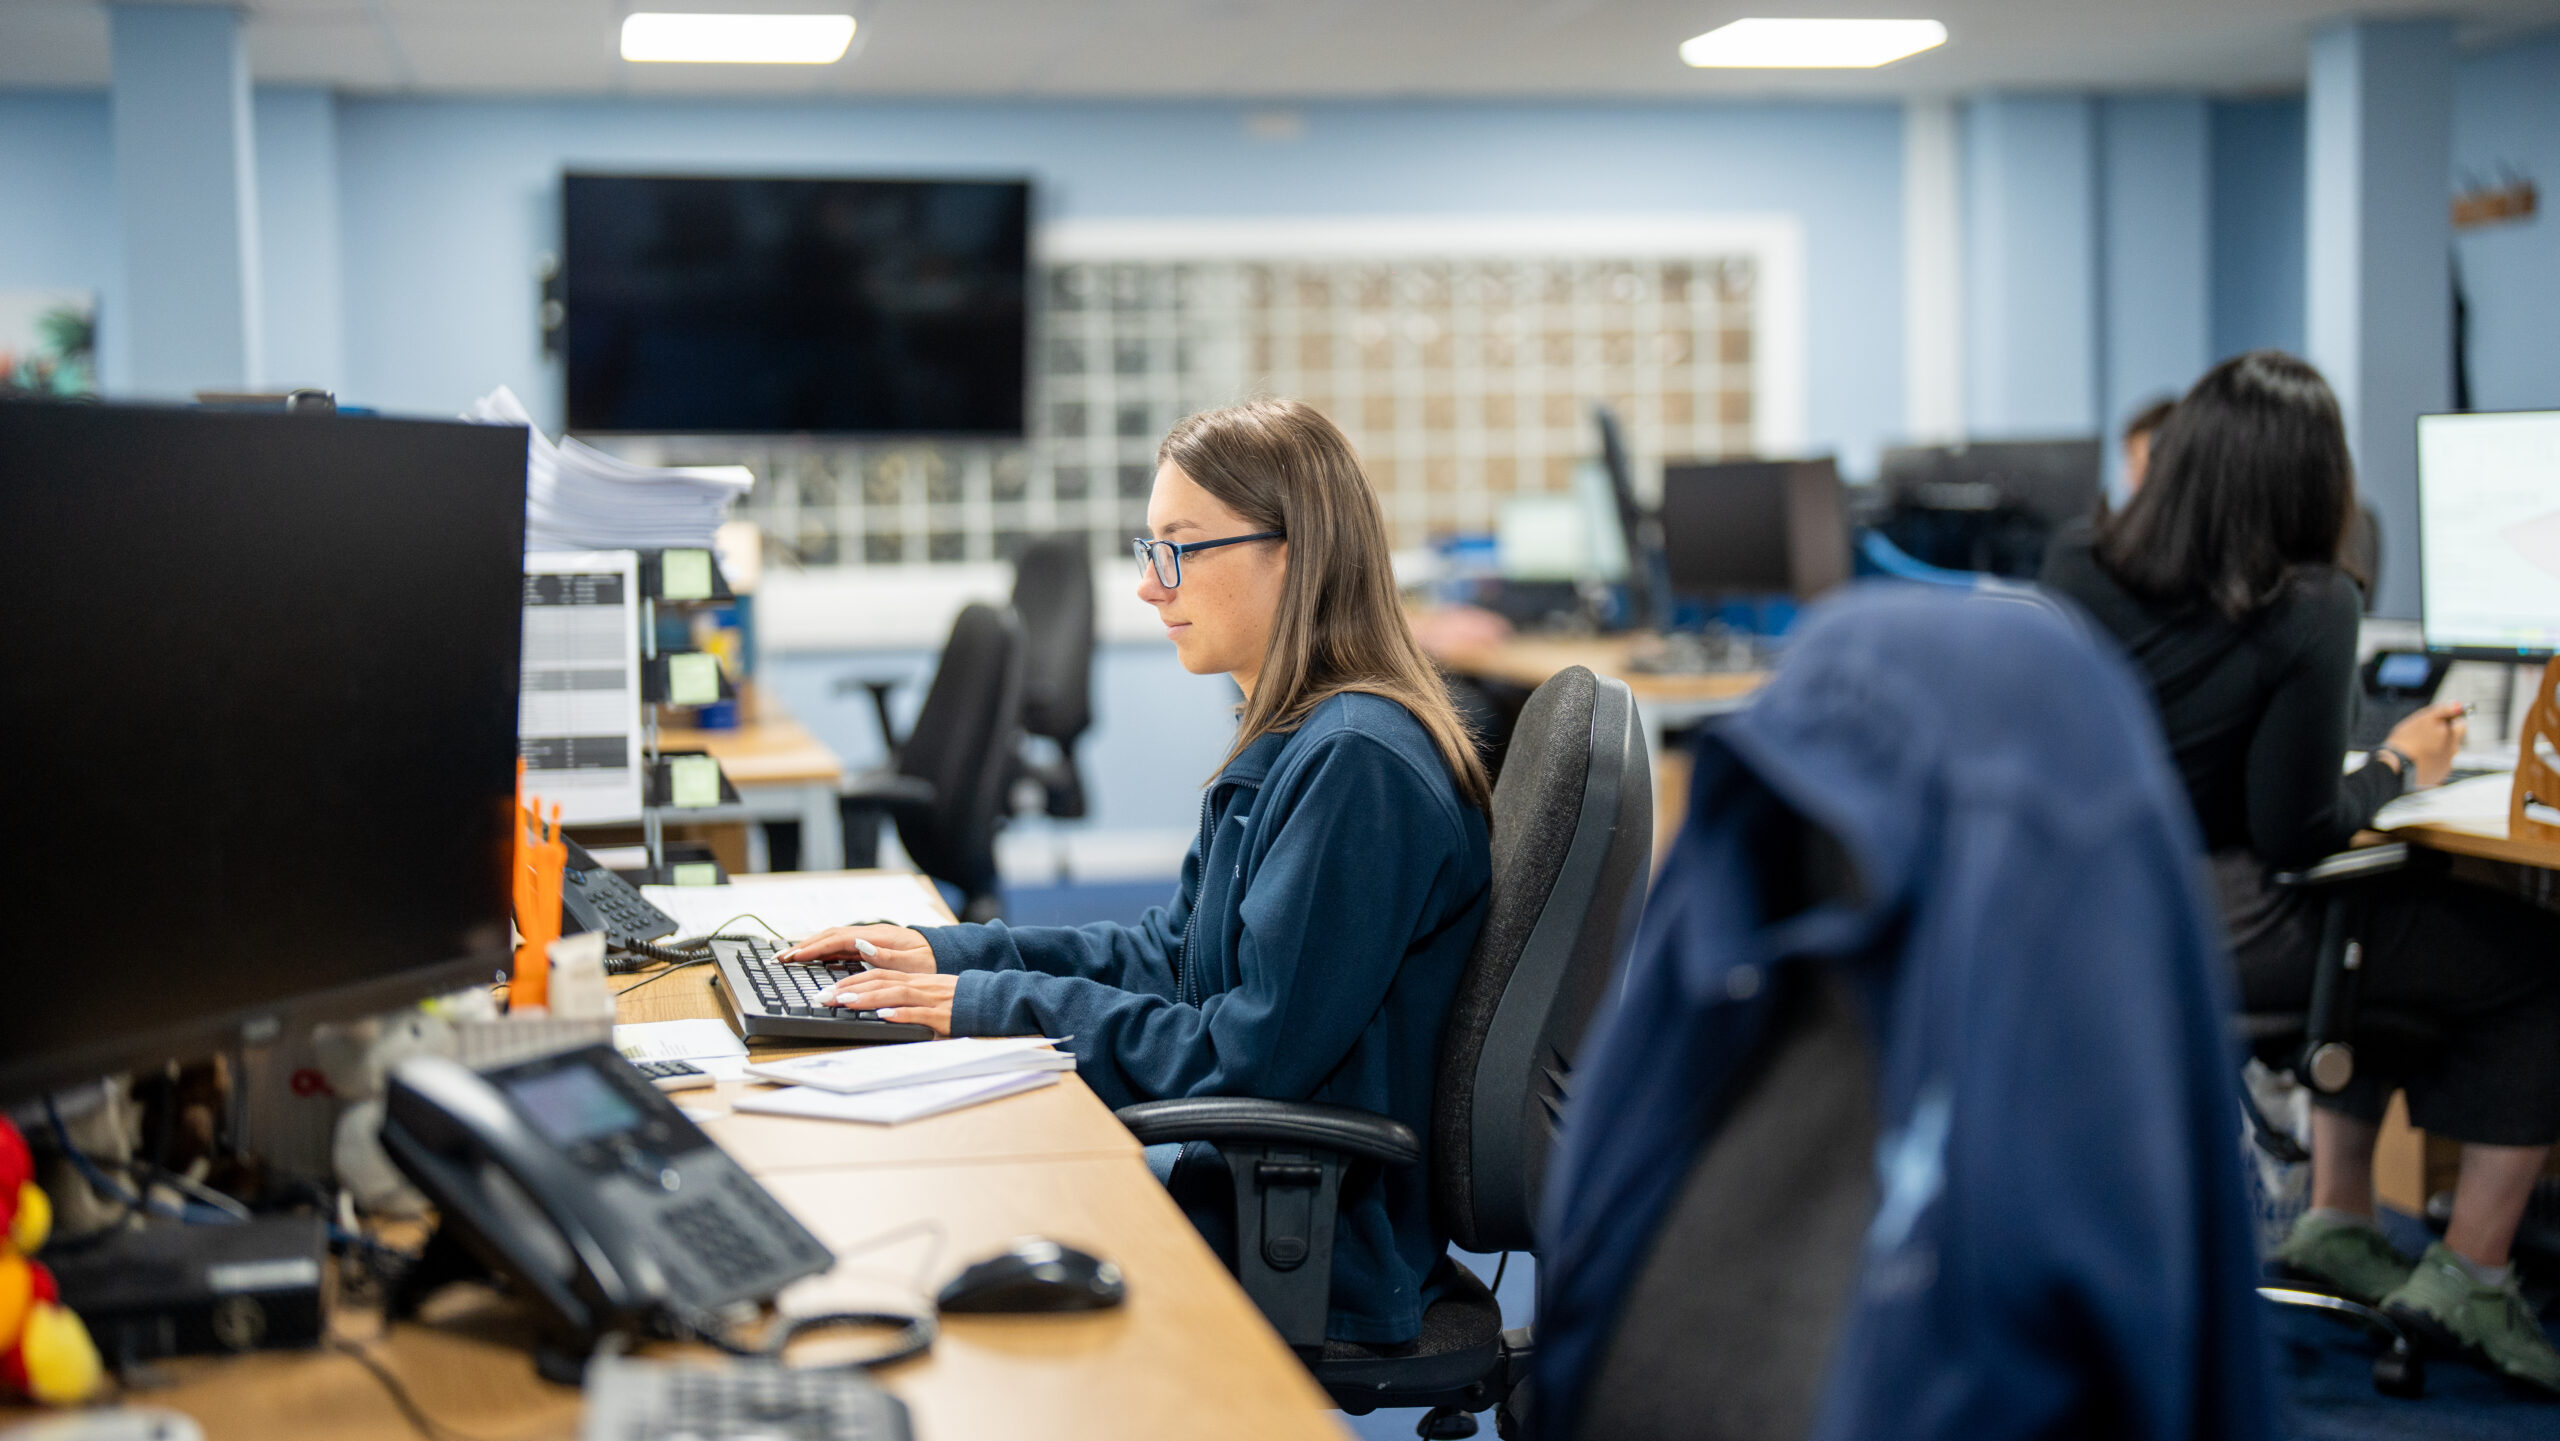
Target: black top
2256, 709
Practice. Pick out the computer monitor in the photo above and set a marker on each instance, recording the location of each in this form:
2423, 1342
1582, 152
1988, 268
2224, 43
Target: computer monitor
261, 723
2489, 534
1990, 505
1754, 527
1644, 543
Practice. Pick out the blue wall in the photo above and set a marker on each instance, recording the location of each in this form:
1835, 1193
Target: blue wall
447, 203
303, 328
2258, 181
2155, 254
2031, 283
58, 207
2506, 117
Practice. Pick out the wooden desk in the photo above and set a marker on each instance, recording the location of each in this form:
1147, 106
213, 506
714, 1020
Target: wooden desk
1061, 1122
1187, 1353
1528, 661
1664, 703
2480, 844
782, 772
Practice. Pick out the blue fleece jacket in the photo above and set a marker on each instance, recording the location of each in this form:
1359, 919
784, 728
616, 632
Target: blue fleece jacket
1310, 953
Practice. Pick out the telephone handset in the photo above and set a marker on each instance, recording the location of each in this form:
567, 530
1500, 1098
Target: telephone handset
574, 1179
595, 899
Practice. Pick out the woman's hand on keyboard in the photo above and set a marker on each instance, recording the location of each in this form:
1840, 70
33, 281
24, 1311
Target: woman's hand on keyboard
889, 948
920, 1000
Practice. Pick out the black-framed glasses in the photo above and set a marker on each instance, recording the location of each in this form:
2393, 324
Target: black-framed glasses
1166, 556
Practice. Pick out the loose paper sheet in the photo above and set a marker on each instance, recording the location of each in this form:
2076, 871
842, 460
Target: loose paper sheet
795, 906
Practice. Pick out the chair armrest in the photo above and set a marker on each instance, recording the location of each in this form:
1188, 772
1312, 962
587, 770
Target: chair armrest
1346, 1129
889, 790
879, 688
1287, 1160
2350, 865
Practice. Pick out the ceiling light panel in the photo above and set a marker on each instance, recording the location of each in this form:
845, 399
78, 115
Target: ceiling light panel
1811, 44
736, 39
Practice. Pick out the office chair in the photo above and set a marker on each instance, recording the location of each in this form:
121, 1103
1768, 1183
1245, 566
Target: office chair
2318, 1046
1572, 841
1053, 594
945, 783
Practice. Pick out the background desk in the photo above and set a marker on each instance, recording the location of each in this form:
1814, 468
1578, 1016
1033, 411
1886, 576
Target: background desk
1187, 1354
782, 772
1664, 703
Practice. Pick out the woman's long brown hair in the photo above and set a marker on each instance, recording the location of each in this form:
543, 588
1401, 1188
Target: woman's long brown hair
1282, 466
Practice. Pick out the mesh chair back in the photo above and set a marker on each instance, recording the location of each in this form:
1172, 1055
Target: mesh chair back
1053, 594
963, 742
1572, 845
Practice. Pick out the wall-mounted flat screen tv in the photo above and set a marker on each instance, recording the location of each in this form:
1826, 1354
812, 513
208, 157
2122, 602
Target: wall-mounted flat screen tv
747, 304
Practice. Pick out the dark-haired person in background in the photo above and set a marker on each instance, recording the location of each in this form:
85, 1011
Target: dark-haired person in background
2221, 577
2138, 433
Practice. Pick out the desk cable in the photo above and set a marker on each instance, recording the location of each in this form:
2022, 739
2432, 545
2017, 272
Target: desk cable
917, 1329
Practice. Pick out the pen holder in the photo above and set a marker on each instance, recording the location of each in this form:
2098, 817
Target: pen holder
540, 856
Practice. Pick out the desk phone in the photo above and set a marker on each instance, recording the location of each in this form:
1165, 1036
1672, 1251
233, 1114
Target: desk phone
576, 1182
2395, 685
595, 899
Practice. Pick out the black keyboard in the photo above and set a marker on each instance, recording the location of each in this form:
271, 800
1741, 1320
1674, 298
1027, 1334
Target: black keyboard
635, 1400
767, 998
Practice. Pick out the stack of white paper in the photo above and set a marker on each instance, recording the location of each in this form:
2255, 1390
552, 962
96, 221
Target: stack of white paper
2477, 804
885, 1085
580, 498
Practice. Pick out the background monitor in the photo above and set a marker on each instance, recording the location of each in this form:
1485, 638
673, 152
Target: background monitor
1645, 586
261, 719
1991, 505
2489, 533
745, 305
1754, 527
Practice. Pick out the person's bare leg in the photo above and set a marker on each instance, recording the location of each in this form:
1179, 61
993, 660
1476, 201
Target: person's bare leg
2488, 1198
2342, 1163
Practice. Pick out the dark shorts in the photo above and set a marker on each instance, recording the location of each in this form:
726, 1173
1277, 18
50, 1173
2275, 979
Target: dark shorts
2475, 970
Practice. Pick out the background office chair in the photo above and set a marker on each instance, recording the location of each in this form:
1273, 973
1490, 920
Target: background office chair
1053, 595
945, 783
2318, 1046
1572, 843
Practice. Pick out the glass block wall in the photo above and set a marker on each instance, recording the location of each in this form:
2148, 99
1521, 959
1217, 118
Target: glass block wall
1462, 382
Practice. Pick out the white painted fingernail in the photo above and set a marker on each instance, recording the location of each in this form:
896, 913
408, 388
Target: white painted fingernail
869, 951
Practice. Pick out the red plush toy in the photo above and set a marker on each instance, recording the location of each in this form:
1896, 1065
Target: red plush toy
45, 1352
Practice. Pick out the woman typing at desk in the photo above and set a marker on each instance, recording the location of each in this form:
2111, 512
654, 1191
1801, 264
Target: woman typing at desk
1340, 873
2222, 579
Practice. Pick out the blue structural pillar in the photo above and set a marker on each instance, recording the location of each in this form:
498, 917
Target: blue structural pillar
2155, 255
186, 198
2031, 274
2379, 313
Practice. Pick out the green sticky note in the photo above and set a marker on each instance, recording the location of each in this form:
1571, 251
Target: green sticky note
684, 575
693, 781
693, 678
694, 873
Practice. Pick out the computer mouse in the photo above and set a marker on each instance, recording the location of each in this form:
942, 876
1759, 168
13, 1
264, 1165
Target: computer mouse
1035, 1274
109, 1423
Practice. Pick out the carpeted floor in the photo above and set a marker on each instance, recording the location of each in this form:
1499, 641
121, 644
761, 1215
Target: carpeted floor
2324, 1371
1076, 905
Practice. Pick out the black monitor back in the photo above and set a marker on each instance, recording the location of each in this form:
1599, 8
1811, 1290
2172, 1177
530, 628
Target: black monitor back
1989, 506
262, 710
1754, 527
